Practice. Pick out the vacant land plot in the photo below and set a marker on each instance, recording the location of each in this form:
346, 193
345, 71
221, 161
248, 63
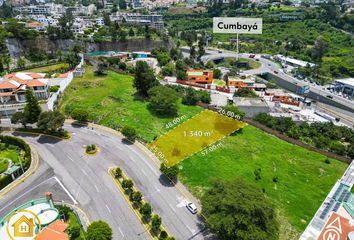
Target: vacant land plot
193, 135
293, 178
49, 68
301, 178
111, 101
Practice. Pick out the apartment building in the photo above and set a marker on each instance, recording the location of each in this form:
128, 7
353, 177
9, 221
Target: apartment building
152, 20
200, 76
241, 82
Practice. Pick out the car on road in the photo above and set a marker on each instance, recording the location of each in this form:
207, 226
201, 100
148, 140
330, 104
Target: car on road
192, 208
219, 51
329, 96
276, 72
252, 55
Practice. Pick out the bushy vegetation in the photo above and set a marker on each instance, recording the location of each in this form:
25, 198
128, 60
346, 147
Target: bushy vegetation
238, 210
327, 136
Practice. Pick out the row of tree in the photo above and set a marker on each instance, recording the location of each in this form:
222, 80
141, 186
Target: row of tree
327, 136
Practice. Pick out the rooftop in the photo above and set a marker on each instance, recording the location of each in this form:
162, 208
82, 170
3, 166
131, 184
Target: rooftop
346, 81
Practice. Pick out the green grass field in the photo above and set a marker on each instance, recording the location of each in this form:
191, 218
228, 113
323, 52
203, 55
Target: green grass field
111, 101
50, 68
193, 135
304, 179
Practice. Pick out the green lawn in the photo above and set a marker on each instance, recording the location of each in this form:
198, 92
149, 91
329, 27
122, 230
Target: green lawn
5, 155
229, 62
49, 68
111, 101
304, 179
74, 222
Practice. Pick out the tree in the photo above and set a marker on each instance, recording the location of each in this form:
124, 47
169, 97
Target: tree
238, 210
181, 75
118, 172
131, 32
168, 70
127, 184
156, 223
245, 92
21, 63
130, 133
136, 198
74, 232
191, 97
217, 73
51, 121
163, 100
32, 109
204, 96
18, 117
319, 49
122, 4
144, 78
59, 54
170, 172
64, 212
163, 58
99, 230
79, 114
146, 210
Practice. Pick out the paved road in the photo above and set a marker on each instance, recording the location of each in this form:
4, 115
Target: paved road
88, 182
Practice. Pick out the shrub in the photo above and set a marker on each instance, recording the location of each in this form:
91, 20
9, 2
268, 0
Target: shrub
163, 235
118, 173
64, 211
127, 184
54, 88
204, 96
136, 198
99, 231
79, 114
74, 232
191, 97
156, 223
129, 133
91, 148
170, 172
163, 101
4, 181
146, 211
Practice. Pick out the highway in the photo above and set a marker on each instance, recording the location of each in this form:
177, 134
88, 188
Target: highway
88, 184
318, 93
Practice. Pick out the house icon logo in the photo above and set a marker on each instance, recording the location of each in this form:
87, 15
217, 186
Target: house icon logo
23, 225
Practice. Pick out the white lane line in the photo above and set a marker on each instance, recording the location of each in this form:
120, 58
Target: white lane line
66, 190
30, 190
172, 207
190, 229
70, 158
149, 166
109, 210
84, 171
120, 230
143, 172
130, 157
97, 188
157, 189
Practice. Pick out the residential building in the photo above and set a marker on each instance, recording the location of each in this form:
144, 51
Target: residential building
35, 26
200, 76
251, 106
241, 81
152, 20
13, 88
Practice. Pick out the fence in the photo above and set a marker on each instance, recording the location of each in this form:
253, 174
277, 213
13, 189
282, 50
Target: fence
63, 84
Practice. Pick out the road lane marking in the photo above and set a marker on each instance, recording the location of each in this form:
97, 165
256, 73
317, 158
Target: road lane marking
121, 232
66, 190
190, 229
70, 158
172, 207
130, 157
157, 189
30, 190
109, 210
97, 188
84, 171
143, 172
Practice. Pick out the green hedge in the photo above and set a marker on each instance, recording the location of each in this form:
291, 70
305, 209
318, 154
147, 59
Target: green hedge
4, 181
9, 140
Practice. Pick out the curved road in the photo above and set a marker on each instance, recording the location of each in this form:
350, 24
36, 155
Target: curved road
86, 182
